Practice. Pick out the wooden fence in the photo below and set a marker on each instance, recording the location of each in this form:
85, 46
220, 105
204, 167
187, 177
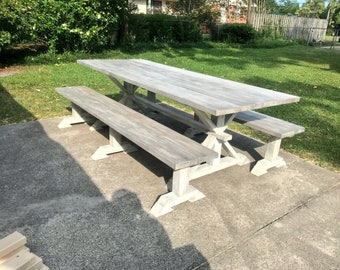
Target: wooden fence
292, 27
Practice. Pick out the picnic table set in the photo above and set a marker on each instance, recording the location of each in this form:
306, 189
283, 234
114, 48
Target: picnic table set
215, 102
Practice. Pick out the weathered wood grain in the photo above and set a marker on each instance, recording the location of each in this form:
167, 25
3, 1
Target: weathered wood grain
206, 93
277, 129
15, 255
268, 124
10, 243
172, 148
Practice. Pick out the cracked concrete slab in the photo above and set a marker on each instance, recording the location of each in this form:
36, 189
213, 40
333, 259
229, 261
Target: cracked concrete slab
82, 214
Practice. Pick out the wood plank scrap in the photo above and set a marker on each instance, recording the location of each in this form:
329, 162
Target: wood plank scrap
14, 255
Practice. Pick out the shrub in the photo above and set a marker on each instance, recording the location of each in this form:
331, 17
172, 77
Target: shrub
63, 25
5, 39
163, 28
233, 33
74, 25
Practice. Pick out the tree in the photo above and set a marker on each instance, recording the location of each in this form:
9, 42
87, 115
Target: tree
288, 7
11, 23
333, 14
312, 9
61, 24
203, 11
272, 7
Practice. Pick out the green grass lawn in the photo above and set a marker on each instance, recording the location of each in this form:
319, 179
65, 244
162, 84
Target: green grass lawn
308, 72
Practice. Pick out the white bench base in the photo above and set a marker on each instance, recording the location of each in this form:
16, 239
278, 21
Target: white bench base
263, 165
175, 150
277, 129
166, 202
78, 116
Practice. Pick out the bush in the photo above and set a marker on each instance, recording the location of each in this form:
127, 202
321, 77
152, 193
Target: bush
63, 25
233, 33
75, 25
163, 28
5, 39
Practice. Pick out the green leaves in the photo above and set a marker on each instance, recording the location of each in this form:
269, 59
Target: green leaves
75, 25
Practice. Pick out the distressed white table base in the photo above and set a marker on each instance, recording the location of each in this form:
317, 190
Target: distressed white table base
271, 158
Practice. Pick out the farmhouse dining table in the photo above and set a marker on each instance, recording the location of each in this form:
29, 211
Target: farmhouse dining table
215, 101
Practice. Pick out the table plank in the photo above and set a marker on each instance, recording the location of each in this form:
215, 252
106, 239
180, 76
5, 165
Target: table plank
207, 93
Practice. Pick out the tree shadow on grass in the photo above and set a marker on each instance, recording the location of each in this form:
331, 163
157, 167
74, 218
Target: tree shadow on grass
48, 196
239, 58
17, 55
10, 110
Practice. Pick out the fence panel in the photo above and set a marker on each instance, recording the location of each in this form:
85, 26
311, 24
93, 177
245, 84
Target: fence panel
292, 27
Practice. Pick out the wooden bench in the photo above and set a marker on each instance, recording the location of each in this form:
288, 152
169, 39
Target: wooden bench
277, 129
175, 150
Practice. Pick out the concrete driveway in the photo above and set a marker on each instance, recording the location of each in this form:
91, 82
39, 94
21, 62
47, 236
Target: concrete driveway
82, 214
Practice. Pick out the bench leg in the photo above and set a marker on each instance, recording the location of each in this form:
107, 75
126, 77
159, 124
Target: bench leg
97, 125
116, 145
271, 158
78, 116
181, 192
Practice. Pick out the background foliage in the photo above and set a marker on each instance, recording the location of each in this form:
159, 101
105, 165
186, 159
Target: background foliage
233, 33
62, 25
93, 25
163, 28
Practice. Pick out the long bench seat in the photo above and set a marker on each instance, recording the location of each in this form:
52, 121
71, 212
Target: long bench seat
170, 147
276, 128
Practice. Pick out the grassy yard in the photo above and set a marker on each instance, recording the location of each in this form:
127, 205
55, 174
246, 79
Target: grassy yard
311, 73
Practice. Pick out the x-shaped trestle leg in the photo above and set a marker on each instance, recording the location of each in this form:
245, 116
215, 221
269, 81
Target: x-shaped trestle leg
217, 139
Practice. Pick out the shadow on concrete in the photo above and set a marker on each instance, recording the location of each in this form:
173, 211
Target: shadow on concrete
47, 195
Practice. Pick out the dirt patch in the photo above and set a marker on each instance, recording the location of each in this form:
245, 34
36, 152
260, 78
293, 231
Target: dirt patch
7, 71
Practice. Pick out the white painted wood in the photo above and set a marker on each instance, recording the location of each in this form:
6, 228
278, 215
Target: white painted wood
97, 125
268, 124
166, 202
213, 95
179, 152
116, 145
225, 162
170, 147
276, 129
208, 96
262, 166
174, 113
215, 101
180, 181
78, 116
272, 148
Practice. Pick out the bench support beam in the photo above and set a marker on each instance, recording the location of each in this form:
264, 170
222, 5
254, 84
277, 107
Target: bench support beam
97, 125
116, 145
78, 116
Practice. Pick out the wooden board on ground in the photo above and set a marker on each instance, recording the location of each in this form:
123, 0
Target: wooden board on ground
14, 255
